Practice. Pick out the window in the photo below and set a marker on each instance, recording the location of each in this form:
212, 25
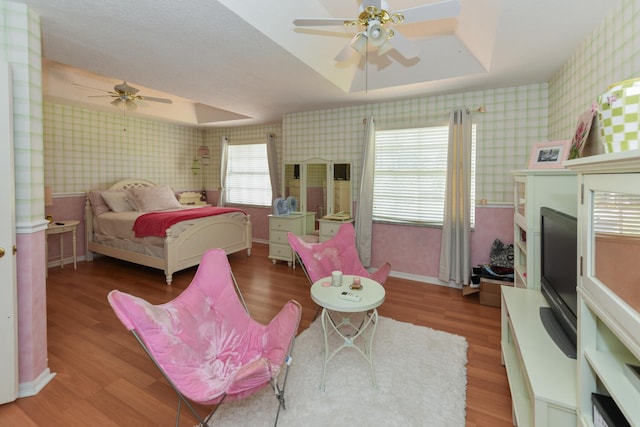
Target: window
248, 181
616, 213
411, 175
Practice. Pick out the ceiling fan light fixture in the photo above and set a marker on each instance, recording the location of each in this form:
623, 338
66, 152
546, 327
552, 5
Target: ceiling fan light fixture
377, 34
360, 43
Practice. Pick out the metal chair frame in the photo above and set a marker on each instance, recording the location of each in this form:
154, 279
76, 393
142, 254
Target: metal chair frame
278, 389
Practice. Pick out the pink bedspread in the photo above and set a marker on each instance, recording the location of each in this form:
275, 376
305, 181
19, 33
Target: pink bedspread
156, 223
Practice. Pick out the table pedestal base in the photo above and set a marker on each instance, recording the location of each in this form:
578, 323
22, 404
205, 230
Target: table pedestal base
349, 337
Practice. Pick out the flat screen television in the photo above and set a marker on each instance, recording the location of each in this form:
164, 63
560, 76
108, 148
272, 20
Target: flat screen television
559, 277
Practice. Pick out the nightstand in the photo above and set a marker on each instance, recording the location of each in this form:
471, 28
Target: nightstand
329, 227
61, 227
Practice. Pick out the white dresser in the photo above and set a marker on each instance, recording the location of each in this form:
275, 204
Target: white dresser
329, 227
279, 226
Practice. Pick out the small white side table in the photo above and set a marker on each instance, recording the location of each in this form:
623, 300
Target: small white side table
328, 297
61, 227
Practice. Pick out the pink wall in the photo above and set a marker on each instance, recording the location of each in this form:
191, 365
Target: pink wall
416, 250
67, 208
410, 250
32, 306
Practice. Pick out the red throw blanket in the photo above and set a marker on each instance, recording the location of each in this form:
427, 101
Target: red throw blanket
157, 223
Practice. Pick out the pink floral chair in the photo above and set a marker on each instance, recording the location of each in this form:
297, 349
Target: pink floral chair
205, 342
337, 253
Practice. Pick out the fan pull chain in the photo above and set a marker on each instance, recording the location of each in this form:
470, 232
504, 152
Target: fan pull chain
124, 117
366, 68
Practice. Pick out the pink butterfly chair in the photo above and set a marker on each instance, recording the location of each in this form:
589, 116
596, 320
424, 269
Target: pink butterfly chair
206, 344
337, 253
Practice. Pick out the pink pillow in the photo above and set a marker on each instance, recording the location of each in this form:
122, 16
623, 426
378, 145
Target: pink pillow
117, 201
98, 206
151, 199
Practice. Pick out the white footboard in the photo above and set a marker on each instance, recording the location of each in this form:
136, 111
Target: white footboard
230, 233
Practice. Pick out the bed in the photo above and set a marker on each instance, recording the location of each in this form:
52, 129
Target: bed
181, 246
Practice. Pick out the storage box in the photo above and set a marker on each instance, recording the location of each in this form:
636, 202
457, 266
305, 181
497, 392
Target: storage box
619, 116
490, 291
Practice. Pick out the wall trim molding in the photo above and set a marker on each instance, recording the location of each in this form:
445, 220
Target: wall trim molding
423, 279
31, 388
31, 227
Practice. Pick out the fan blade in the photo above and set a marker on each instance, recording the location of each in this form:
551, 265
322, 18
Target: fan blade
358, 44
130, 105
431, 12
404, 46
347, 51
125, 88
320, 22
150, 98
116, 102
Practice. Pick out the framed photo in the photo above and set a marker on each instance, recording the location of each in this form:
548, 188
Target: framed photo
549, 155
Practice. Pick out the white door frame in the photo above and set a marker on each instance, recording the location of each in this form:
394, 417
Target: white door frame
8, 282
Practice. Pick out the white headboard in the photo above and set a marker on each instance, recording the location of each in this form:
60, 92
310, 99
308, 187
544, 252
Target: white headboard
131, 183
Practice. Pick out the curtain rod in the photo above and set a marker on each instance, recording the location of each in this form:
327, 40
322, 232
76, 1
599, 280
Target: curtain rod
480, 109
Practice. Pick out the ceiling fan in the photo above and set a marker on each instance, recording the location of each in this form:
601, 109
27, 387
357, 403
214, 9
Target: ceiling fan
376, 20
126, 95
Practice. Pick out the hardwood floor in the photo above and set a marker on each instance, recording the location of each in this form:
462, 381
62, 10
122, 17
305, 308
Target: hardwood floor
104, 378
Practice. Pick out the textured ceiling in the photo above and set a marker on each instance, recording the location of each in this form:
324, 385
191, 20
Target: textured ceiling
222, 61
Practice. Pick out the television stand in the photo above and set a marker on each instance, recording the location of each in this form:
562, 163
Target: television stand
542, 379
557, 334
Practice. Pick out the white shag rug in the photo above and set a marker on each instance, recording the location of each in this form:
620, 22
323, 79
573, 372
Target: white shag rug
420, 375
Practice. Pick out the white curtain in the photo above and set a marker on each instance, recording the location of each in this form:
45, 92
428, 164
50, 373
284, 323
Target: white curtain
455, 257
224, 158
365, 196
274, 174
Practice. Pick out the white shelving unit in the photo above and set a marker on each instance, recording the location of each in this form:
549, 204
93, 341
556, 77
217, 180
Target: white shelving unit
541, 378
554, 188
608, 298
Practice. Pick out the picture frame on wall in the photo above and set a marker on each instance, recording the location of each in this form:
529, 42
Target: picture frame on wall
549, 155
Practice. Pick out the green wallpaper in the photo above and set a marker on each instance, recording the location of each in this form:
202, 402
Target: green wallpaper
515, 119
610, 54
86, 149
20, 46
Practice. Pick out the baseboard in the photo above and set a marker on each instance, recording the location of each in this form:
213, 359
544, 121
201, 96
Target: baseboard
32, 388
422, 279
66, 261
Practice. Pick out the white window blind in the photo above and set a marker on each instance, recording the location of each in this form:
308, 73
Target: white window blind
411, 175
616, 213
248, 181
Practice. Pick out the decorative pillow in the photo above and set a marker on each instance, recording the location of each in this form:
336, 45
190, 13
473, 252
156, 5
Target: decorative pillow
117, 201
98, 206
501, 255
151, 199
